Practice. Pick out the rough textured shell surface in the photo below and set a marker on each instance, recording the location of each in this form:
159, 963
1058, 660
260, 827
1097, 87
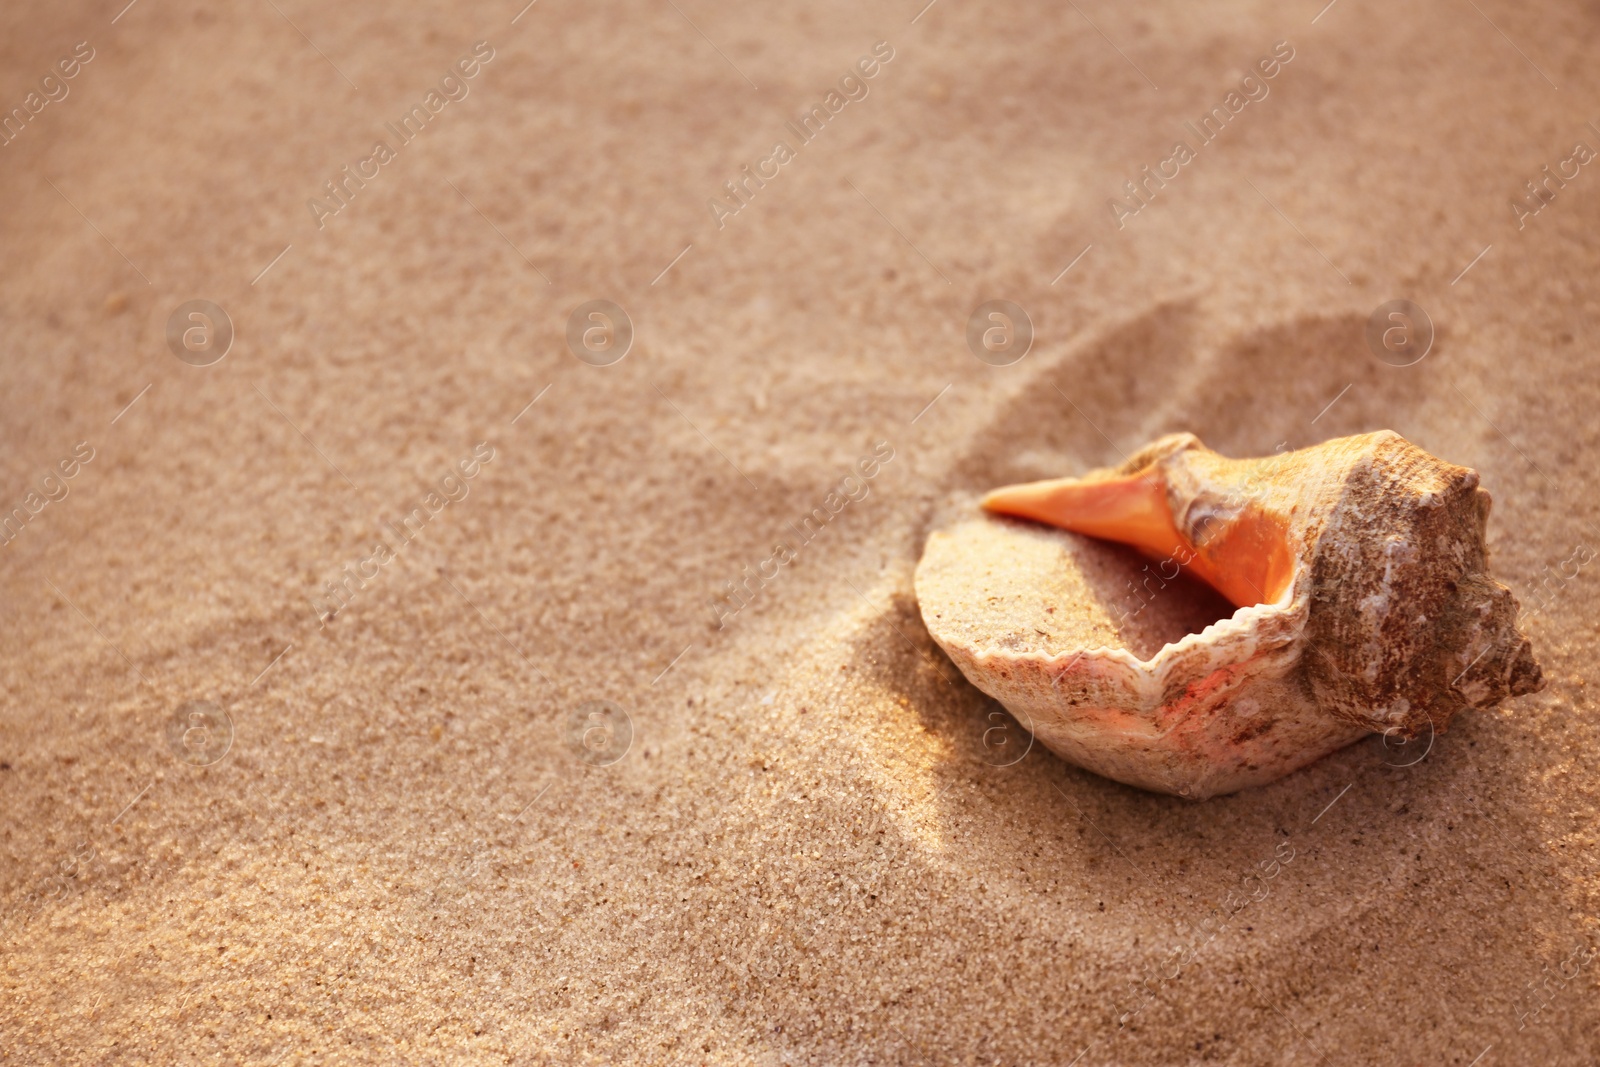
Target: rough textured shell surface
1390, 622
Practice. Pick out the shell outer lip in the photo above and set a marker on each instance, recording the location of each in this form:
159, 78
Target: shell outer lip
1269, 628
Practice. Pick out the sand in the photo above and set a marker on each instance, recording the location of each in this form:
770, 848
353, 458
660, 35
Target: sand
394, 851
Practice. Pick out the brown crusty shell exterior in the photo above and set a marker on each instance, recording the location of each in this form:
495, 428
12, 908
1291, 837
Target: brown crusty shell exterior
1406, 627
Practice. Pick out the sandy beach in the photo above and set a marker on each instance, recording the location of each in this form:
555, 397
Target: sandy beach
466, 464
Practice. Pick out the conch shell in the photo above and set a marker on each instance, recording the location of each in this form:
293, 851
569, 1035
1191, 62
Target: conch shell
1363, 601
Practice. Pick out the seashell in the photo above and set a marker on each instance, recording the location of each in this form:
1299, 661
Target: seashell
1363, 604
